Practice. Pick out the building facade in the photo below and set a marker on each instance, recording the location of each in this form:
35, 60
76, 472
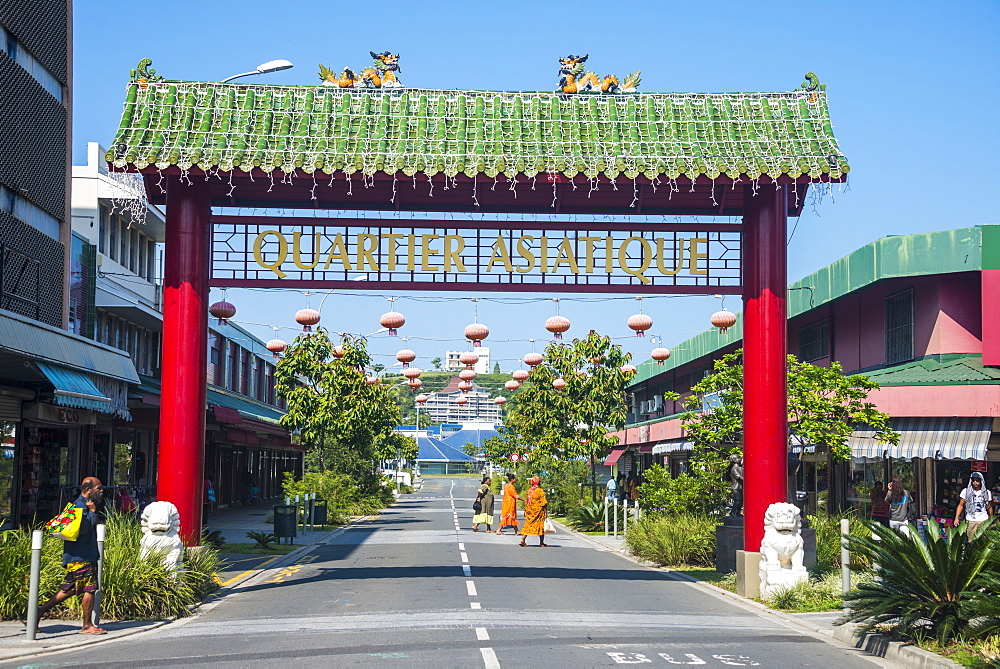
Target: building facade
443, 406
452, 363
917, 314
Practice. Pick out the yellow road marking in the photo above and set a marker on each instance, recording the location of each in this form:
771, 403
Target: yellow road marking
260, 566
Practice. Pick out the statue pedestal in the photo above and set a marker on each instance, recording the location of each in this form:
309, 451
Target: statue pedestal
728, 540
773, 579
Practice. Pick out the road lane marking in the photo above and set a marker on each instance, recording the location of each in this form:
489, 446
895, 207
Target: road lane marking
466, 570
250, 571
465, 557
471, 587
475, 605
490, 658
461, 546
482, 634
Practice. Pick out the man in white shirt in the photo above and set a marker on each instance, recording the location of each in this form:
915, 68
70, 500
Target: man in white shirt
976, 501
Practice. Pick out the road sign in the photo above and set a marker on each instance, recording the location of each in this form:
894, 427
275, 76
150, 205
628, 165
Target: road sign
514, 457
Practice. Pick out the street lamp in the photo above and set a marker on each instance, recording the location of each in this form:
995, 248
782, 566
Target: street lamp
264, 68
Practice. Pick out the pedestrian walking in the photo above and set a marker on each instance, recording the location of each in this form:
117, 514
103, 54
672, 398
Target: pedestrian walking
508, 508
612, 487
976, 501
880, 508
485, 500
80, 558
536, 510
899, 501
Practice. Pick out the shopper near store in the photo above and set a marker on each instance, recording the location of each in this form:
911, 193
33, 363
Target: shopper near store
977, 503
880, 509
899, 500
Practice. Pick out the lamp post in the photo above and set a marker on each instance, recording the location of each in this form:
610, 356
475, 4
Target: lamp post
263, 68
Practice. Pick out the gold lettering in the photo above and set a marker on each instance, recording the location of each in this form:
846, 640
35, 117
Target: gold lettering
566, 255
678, 257
694, 255
609, 256
525, 252
450, 255
426, 252
365, 252
258, 253
411, 253
647, 258
338, 250
500, 253
391, 250
544, 260
589, 244
297, 250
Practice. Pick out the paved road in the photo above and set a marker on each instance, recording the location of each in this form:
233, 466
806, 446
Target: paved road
414, 587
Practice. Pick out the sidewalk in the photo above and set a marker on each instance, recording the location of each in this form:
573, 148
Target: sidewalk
233, 522
820, 623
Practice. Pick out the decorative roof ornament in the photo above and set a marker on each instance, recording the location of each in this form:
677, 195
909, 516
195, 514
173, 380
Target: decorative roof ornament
382, 73
573, 79
811, 83
144, 75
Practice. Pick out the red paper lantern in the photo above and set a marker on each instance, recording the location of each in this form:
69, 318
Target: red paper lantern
465, 386
520, 375
640, 323
660, 354
512, 385
338, 352
406, 356
467, 375
557, 325
421, 398
468, 359
559, 384
392, 320
372, 380
724, 319
461, 400
307, 318
476, 333
223, 311
276, 346
414, 384
499, 401
628, 369
533, 359
412, 373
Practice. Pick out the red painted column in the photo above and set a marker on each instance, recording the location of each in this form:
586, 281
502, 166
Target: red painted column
765, 389
181, 471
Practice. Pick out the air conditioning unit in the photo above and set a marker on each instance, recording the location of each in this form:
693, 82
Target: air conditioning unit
657, 402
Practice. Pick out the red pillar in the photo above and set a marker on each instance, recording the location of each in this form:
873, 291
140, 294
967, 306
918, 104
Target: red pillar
181, 476
765, 423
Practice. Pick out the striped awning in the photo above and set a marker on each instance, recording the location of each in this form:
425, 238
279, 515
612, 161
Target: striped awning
616, 453
944, 438
672, 445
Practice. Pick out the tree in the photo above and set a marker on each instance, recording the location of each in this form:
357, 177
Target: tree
824, 407
575, 421
344, 422
436, 362
496, 368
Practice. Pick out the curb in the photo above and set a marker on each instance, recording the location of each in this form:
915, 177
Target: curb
877, 645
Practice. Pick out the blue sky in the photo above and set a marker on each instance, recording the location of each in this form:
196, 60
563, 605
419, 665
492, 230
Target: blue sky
913, 90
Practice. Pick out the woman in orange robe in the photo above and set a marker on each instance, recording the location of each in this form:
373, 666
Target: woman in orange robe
508, 512
535, 512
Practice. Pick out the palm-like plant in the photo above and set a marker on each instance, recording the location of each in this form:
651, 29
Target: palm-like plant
936, 585
589, 517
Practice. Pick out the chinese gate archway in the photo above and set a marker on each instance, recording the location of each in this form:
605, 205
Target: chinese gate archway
481, 158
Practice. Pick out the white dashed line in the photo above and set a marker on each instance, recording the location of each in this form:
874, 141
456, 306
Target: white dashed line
475, 605
482, 634
471, 587
490, 658
465, 557
461, 546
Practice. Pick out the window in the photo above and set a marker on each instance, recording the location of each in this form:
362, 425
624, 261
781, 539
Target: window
123, 235
259, 380
150, 260
133, 250
234, 370
899, 327
141, 267
102, 229
269, 383
814, 341
113, 238
245, 373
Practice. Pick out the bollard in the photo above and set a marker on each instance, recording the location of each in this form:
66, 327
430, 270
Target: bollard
605, 516
845, 558
312, 512
36, 573
627, 510
616, 518
101, 527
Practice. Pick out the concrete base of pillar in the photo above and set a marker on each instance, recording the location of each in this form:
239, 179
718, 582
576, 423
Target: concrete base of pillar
748, 574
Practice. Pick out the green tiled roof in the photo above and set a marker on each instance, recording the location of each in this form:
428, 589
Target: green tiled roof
950, 371
248, 408
316, 129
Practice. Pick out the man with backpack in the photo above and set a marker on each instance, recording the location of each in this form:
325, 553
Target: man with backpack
80, 558
976, 501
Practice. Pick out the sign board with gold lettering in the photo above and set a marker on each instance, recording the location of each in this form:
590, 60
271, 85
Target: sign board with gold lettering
476, 255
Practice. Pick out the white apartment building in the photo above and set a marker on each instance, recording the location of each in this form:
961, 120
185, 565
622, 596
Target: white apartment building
452, 363
442, 406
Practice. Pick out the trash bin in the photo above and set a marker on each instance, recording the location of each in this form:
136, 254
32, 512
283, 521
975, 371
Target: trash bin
319, 511
285, 521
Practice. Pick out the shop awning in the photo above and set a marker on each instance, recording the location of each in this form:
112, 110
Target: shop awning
614, 455
943, 438
74, 389
227, 415
672, 445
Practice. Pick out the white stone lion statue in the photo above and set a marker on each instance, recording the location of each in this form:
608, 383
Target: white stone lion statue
161, 526
782, 550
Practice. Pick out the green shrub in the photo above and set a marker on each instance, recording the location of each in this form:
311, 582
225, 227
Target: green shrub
213, 539
134, 588
699, 491
935, 587
262, 539
589, 517
675, 539
828, 540
822, 592
344, 496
